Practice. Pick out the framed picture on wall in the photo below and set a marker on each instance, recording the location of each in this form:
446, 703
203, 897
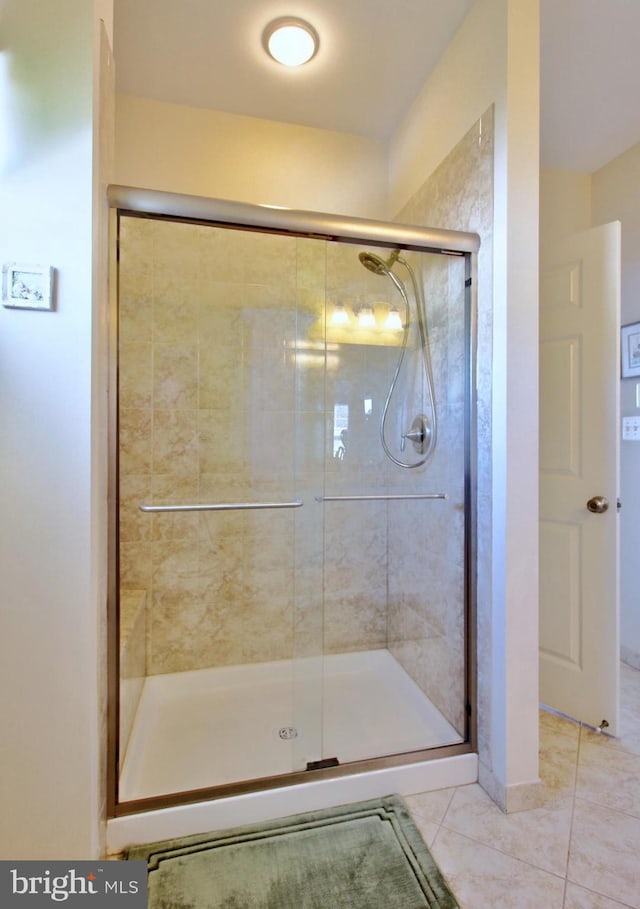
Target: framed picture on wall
630, 350
27, 286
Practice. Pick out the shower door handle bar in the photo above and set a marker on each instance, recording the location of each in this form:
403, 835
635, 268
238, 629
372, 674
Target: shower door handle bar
220, 506
381, 498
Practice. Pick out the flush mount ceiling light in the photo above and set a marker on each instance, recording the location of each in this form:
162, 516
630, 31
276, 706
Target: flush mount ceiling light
290, 41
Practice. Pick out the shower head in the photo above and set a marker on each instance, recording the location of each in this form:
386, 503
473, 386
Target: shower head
377, 265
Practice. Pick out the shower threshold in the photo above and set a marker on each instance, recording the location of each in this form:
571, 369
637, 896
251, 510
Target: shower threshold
211, 727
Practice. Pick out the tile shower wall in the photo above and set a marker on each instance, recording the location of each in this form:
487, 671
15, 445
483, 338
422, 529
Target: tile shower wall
227, 393
426, 624
360, 363
208, 395
395, 570
425, 633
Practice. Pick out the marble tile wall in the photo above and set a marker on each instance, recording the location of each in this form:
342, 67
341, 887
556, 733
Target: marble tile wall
224, 396
400, 565
227, 393
359, 368
426, 633
426, 539
212, 408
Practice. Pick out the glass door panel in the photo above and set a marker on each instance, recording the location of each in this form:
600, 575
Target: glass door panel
394, 561
221, 438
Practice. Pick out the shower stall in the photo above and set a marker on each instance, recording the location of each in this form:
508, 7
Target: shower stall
292, 498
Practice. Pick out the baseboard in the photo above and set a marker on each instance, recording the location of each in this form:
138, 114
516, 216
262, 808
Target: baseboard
519, 797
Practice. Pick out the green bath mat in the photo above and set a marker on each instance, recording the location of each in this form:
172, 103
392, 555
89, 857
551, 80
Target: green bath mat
368, 855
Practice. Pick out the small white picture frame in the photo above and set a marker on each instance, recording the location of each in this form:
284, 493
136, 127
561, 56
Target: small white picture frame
630, 350
27, 286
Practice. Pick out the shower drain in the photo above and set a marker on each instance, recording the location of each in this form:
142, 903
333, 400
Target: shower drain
288, 732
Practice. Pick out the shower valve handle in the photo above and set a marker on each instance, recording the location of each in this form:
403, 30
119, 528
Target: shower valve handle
414, 435
419, 433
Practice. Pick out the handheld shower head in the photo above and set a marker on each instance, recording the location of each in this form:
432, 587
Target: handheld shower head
422, 433
377, 265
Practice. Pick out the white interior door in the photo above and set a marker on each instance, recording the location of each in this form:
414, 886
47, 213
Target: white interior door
579, 425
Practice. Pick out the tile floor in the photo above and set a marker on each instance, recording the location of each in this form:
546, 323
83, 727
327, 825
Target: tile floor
581, 850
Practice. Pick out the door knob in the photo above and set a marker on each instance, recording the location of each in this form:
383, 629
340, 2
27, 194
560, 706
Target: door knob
598, 504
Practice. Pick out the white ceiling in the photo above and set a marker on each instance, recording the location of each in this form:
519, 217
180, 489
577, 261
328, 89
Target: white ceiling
374, 54
374, 57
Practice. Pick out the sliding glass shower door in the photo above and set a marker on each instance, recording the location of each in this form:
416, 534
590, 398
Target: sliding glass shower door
293, 505
221, 362
394, 502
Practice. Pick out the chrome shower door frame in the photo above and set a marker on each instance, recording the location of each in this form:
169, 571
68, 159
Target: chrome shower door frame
143, 203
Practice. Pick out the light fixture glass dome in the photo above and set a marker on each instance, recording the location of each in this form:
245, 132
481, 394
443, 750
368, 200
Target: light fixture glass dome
291, 42
393, 322
340, 315
366, 317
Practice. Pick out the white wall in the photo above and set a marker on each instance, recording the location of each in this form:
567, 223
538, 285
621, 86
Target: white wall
209, 153
494, 58
49, 601
565, 206
616, 196
470, 77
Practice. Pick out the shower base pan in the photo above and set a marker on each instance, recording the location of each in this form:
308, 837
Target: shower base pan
216, 725
212, 727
